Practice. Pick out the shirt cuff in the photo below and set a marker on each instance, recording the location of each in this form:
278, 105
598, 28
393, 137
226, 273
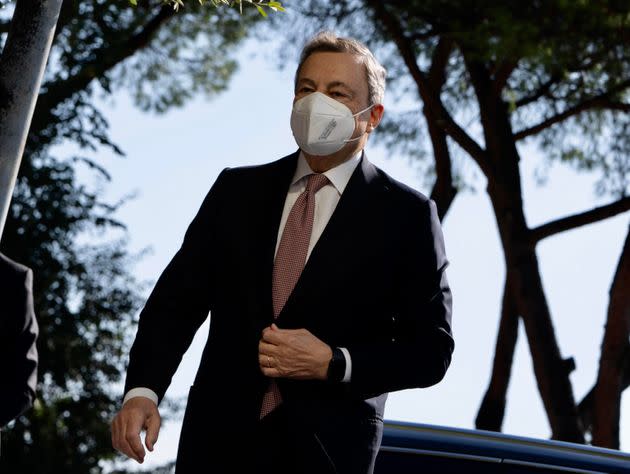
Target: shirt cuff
348, 373
141, 392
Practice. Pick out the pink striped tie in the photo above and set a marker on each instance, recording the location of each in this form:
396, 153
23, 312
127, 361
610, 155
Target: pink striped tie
289, 262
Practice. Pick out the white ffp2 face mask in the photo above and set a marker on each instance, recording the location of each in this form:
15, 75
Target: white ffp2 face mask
321, 125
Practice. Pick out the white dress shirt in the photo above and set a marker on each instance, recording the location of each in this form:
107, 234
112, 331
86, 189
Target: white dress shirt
326, 201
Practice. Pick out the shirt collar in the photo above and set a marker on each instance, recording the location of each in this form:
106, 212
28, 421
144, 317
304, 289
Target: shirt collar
339, 176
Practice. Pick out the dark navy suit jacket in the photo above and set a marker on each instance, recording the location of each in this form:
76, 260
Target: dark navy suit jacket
374, 283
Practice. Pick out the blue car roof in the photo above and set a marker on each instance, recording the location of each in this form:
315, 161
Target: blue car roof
435, 438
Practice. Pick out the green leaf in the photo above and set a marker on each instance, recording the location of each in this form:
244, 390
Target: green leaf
276, 6
134, 2
261, 11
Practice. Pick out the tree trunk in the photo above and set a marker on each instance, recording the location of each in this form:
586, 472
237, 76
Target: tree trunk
492, 409
22, 67
504, 189
443, 192
587, 405
499, 161
552, 372
609, 386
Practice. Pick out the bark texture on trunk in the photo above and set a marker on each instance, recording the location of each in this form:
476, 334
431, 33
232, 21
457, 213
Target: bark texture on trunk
492, 409
587, 405
613, 359
504, 189
22, 67
443, 192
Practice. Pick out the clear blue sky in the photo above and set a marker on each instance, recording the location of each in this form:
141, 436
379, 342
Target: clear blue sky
174, 159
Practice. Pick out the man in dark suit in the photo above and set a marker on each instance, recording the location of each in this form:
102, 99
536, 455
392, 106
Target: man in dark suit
325, 282
18, 335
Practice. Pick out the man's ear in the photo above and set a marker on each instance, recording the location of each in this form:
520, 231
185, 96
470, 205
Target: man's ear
376, 114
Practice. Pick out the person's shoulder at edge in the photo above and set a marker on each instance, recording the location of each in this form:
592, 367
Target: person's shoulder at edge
11, 266
13, 276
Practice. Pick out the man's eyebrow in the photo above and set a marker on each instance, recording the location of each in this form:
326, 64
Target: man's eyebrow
339, 84
307, 81
311, 82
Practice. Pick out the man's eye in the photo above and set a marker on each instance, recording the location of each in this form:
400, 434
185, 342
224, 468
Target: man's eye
305, 89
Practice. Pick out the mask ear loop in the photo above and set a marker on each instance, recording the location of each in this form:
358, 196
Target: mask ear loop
360, 136
361, 111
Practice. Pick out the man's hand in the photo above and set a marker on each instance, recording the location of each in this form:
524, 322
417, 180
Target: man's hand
293, 353
137, 413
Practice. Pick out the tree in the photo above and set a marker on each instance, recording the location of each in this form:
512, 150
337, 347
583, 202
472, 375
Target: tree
22, 65
552, 73
259, 4
85, 294
24, 57
614, 365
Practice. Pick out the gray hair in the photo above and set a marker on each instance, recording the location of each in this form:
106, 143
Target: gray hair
329, 42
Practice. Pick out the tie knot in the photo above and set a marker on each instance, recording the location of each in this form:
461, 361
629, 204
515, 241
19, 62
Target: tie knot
316, 182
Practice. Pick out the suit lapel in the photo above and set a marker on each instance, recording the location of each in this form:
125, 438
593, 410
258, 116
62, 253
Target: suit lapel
338, 236
272, 198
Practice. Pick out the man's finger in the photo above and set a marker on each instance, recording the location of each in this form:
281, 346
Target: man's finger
132, 437
265, 360
270, 372
114, 431
266, 348
153, 428
121, 444
272, 337
273, 329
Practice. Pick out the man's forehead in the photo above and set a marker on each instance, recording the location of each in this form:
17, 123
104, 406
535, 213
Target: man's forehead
334, 68
331, 83
335, 55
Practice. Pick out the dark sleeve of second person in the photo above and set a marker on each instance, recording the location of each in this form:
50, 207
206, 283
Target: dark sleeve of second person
19, 351
179, 303
419, 353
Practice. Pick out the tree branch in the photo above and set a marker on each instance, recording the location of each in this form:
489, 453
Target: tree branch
502, 74
601, 101
424, 35
577, 220
620, 106
492, 410
61, 90
439, 61
586, 407
443, 192
540, 92
608, 388
430, 98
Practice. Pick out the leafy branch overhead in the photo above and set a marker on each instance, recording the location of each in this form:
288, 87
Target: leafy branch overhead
86, 295
260, 5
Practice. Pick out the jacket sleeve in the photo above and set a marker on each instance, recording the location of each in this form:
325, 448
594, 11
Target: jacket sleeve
20, 381
419, 351
179, 303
